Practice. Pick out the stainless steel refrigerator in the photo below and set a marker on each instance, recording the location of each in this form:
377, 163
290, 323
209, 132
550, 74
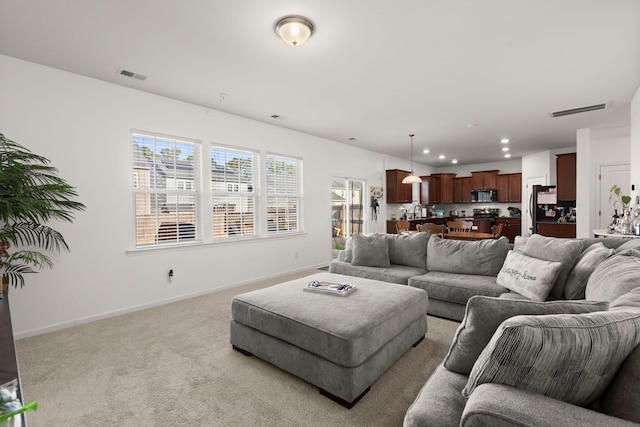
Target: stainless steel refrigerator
543, 206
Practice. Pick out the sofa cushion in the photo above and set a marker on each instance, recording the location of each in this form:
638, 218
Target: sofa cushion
629, 244
519, 243
439, 402
565, 251
627, 302
456, 288
399, 274
482, 257
371, 250
483, 315
621, 398
528, 276
569, 357
408, 250
614, 277
588, 260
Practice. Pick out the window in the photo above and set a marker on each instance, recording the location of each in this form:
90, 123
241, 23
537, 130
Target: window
165, 181
234, 192
284, 194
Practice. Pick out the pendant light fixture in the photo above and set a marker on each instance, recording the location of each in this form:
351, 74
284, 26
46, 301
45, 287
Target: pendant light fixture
412, 179
294, 29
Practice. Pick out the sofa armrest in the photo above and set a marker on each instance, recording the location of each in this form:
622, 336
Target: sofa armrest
500, 405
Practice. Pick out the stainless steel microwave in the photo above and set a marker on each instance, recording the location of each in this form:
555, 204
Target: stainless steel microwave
483, 196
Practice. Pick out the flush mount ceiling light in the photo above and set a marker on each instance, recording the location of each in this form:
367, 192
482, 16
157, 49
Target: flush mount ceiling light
294, 29
412, 179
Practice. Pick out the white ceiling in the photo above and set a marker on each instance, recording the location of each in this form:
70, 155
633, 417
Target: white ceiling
375, 70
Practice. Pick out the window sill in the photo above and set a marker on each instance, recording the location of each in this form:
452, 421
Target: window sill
216, 242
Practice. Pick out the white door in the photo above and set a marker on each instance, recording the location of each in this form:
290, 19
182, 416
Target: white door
527, 221
610, 175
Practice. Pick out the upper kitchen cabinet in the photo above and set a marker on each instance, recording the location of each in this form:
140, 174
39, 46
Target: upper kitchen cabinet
437, 188
446, 187
462, 190
484, 180
510, 188
430, 190
397, 192
566, 176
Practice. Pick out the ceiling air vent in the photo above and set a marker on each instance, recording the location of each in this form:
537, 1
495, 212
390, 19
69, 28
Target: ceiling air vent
132, 75
578, 110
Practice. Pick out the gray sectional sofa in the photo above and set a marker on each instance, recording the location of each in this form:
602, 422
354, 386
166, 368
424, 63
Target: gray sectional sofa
550, 339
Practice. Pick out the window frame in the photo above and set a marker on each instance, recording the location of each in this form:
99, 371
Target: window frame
149, 213
271, 189
233, 189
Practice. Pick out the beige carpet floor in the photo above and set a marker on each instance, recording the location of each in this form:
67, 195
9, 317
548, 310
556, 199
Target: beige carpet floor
173, 365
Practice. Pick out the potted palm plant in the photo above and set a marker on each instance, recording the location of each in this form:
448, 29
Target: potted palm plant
31, 195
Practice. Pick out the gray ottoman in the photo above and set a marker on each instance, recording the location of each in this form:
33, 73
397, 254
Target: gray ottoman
339, 344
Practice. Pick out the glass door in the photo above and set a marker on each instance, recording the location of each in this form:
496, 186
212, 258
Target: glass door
347, 211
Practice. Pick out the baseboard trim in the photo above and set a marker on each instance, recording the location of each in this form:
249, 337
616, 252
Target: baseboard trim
80, 321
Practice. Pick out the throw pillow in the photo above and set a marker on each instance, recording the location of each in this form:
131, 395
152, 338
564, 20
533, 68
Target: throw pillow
528, 276
482, 257
588, 260
371, 250
483, 315
409, 250
565, 251
614, 277
569, 357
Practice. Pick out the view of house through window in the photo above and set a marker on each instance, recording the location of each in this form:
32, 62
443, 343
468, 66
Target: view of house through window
347, 211
169, 209
284, 194
234, 189
165, 180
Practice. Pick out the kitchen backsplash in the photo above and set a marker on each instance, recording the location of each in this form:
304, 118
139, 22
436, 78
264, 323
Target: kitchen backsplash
467, 208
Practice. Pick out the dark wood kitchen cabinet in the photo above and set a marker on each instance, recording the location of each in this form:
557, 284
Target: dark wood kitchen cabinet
397, 192
509, 188
446, 187
462, 190
484, 180
430, 190
511, 227
566, 176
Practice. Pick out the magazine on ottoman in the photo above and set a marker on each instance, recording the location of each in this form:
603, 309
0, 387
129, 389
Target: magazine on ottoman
330, 288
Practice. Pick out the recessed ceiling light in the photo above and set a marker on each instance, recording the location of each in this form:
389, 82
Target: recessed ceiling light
471, 125
441, 156
507, 155
425, 151
454, 160
505, 148
504, 140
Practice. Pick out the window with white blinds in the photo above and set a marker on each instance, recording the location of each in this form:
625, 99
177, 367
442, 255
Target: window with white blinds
234, 192
166, 176
284, 194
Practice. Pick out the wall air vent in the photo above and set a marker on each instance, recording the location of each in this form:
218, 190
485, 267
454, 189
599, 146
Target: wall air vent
578, 110
132, 75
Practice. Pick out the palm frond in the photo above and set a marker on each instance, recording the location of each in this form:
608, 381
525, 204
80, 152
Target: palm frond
32, 234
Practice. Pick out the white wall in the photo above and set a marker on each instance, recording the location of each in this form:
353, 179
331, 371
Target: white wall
83, 126
635, 145
596, 147
506, 166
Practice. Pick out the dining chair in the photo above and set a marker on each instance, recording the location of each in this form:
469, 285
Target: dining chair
459, 225
402, 226
496, 230
431, 228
